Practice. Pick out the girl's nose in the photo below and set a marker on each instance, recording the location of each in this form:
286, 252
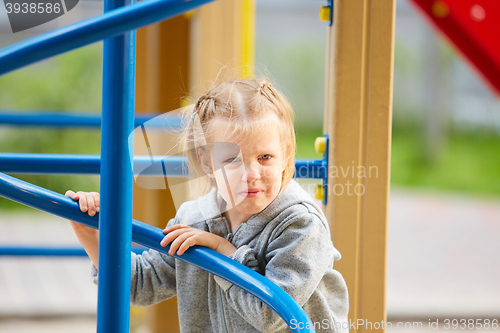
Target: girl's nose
252, 172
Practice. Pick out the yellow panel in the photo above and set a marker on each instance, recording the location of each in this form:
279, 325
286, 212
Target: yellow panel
222, 38
162, 81
174, 58
247, 38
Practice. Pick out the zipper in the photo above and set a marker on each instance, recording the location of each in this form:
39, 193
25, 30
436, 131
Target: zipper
230, 235
223, 314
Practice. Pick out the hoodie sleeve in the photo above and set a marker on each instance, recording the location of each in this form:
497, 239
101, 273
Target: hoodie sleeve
152, 277
299, 254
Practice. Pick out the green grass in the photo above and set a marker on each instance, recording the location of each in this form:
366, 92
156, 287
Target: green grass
305, 142
69, 141
70, 82
468, 163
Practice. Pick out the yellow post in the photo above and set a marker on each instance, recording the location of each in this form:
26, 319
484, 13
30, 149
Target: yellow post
223, 37
358, 115
162, 82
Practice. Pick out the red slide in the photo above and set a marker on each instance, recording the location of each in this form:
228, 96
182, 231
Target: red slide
473, 26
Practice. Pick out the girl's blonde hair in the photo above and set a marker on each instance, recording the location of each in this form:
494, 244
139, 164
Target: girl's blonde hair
245, 104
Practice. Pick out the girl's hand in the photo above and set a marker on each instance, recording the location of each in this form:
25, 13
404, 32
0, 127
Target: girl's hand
89, 201
183, 237
88, 237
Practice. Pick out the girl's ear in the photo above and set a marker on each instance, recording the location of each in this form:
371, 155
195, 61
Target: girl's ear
206, 162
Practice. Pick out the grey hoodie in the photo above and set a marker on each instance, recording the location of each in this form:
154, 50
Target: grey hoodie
288, 242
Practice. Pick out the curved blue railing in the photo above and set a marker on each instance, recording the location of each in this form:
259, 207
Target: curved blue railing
149, 236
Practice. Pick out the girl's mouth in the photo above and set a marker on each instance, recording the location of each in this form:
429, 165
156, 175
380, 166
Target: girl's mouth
252, 193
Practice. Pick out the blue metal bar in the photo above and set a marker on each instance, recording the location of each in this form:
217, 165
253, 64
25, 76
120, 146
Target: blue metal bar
19, 251
67, 164
309, 168
325, 175
149, 236
74, 119
118, 101
175, 166
91, 30
49, 163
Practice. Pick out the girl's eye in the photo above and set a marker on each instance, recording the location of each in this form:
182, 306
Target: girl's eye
266, 157
233, 160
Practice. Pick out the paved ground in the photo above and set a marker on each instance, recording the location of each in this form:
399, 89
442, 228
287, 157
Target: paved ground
443, 262
43, 286
443, 256
76, 324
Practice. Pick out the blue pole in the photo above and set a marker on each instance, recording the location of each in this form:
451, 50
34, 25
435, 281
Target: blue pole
88, 120
42, 251
67, 164
20, 163
149, 236
309, 168
118, 97
19, 251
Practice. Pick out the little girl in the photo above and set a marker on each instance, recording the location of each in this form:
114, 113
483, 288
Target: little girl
240, 139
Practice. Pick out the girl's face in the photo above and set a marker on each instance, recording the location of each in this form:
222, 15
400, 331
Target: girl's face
248, 172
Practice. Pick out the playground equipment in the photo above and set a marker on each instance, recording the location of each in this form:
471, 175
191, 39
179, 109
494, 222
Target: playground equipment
62, 120
357, 120
115, 169
176, 166
472, 28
